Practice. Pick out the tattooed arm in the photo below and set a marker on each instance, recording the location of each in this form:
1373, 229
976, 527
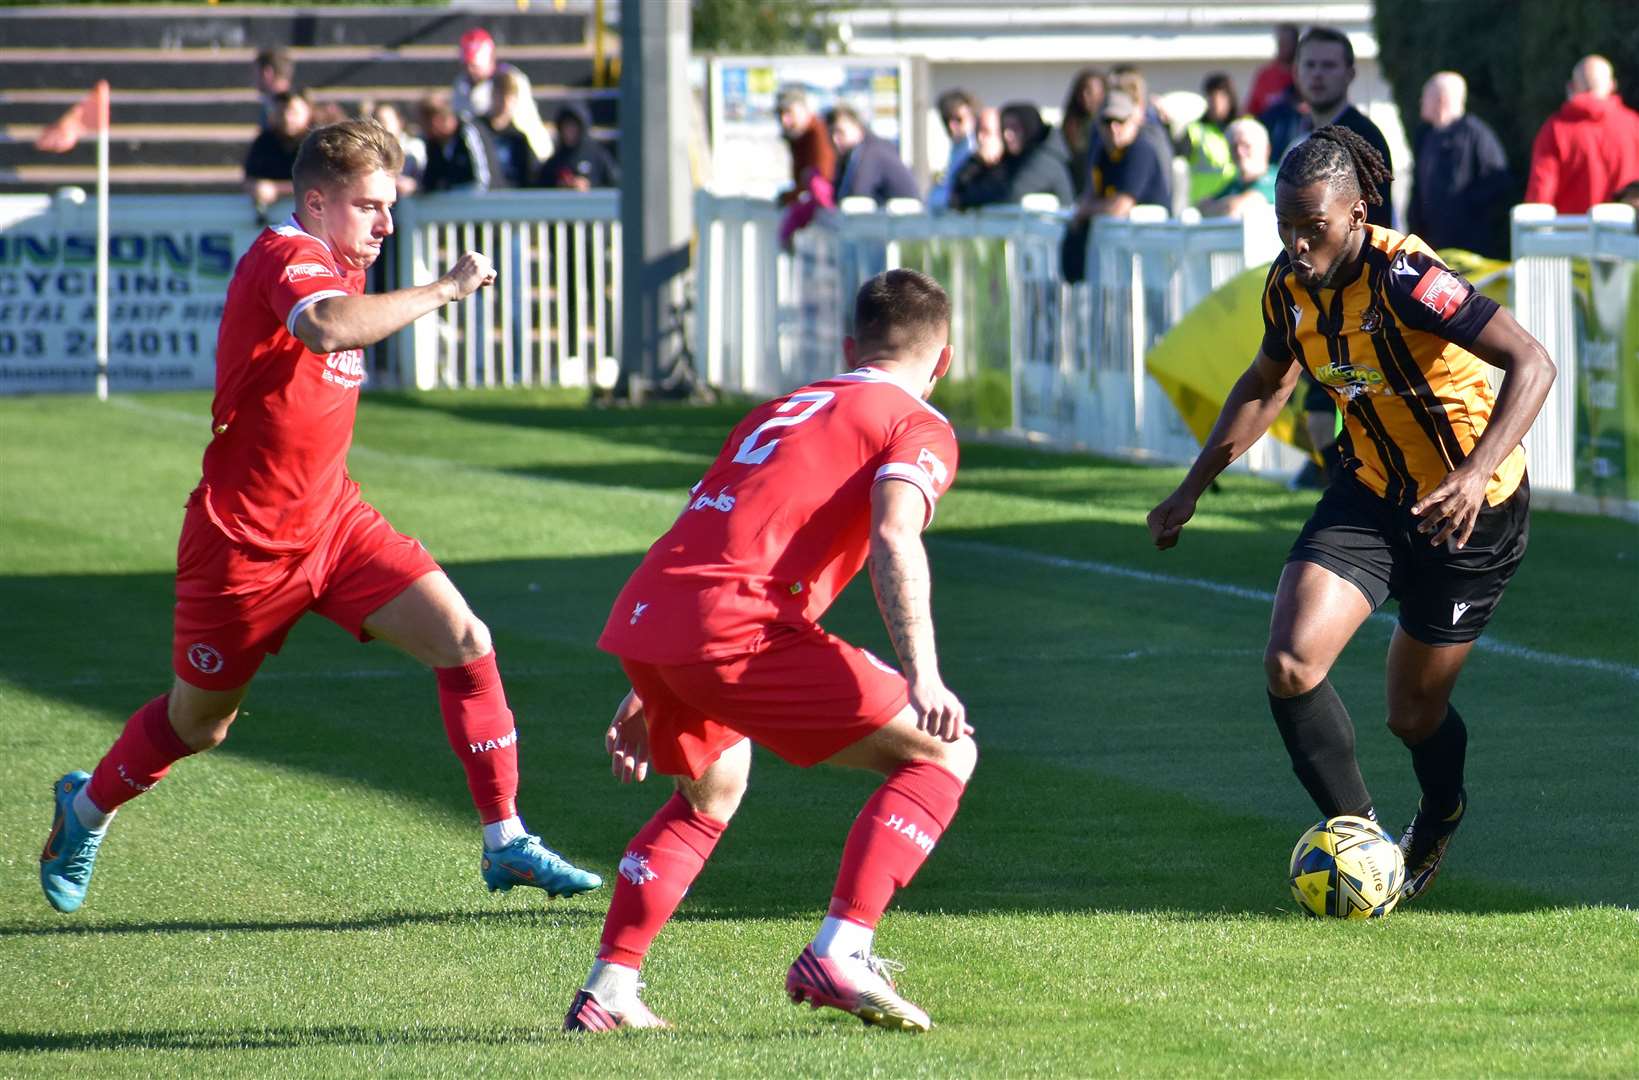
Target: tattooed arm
904, 591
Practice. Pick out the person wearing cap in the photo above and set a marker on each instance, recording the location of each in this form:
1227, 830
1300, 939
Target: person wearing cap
812, 154
1128, 170
473, 95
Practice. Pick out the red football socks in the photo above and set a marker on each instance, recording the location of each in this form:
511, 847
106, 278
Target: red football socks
481, 732
660, 864
892, 838
139, 758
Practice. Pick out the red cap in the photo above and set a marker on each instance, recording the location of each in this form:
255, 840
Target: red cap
476, 44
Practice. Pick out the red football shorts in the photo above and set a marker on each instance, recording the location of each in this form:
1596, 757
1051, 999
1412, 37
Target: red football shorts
805, 697
235, 604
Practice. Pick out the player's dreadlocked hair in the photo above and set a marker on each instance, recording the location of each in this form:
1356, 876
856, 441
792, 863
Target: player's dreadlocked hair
1340, 157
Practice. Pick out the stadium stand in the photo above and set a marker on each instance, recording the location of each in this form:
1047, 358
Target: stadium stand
183, 109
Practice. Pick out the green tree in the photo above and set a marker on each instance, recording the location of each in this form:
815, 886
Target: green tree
762, 26
1517, 56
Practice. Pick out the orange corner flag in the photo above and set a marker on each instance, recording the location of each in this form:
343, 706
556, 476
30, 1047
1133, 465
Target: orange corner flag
89, 114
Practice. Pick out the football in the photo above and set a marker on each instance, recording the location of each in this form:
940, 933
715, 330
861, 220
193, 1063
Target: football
1347, 868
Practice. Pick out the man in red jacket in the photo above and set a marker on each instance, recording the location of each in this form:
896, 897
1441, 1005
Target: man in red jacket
1589, 148
812, 155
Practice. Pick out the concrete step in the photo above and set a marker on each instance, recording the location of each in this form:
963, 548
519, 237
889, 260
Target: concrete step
239, 104
124, 179
126, 69
240, 26
191, 145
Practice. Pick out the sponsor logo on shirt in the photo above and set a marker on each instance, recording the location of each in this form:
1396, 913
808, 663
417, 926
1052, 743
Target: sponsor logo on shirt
1352, 380
306, 271
345, 368
637, 612
721, 501
1441, 291
929, 462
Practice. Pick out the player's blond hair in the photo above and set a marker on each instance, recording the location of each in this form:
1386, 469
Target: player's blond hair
336, 154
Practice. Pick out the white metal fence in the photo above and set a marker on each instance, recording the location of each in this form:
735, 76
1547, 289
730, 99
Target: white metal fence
1576, 288
1040, 358
1036, 357
552, 317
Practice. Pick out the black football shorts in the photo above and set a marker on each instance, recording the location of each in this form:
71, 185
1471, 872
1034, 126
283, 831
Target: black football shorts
1446, 595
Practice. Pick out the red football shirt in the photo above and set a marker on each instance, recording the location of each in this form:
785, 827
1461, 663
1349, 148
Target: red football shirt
781, 521
276, 469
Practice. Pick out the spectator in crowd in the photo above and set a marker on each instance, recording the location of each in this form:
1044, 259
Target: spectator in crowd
1325, 70
273, 152
460, 152
415, 148
1589, 148
1205, 143
275, 74
959, 112
1078, 124
812, 154
1254, 181
474, 91
326, 113
868, 165
1130, 169
1130, 80
1036, 161
1460, 187
512, 148
1274, 78
581, 162
982, 179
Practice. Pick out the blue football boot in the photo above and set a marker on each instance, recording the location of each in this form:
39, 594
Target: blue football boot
527, 861
1424, 847
70, 853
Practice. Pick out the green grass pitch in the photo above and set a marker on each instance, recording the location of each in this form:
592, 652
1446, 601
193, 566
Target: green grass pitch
1110, 900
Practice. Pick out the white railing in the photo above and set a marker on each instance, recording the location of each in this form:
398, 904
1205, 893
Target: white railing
1575, 287
1044, 359
552, 318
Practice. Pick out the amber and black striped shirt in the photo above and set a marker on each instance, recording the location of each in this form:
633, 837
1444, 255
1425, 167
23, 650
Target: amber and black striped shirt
1391, 348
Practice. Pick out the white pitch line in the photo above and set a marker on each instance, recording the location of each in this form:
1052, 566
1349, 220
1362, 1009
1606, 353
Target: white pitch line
1485, 644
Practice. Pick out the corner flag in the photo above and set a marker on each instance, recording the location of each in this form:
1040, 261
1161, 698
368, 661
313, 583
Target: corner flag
90, 113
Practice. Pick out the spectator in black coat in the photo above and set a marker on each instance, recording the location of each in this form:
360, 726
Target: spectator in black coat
1130, 170
982, 178
581, 162
513, 151
1325, 70
867, 164
1037, 161
460, 151
1461, 184
273, 152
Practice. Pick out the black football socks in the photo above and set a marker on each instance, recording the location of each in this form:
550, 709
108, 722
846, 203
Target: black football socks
1319, 737
1438, 762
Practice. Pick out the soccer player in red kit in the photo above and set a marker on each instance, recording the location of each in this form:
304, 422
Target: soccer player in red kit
717, 631
276, 528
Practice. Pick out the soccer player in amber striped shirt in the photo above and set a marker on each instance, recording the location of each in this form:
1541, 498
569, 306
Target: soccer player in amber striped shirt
1433, 510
